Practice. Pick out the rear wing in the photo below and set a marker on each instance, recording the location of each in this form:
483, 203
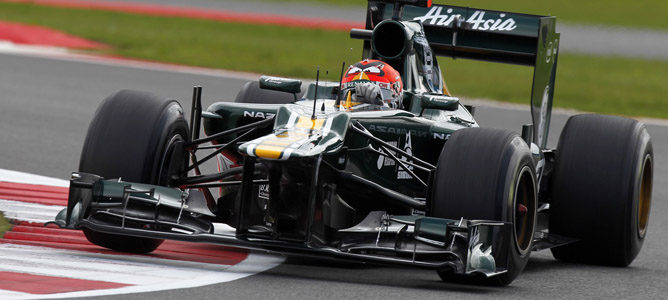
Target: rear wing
495, 36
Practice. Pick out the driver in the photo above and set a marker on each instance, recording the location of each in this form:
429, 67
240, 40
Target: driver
374, 82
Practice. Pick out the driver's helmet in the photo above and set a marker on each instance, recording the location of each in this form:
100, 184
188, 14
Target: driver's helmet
376, 72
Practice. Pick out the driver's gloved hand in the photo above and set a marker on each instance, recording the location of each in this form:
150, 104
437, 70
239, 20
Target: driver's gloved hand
368, 92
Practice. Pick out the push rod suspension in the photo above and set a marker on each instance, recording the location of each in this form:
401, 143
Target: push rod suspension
225, 183
219, 150
207, 139
214, 177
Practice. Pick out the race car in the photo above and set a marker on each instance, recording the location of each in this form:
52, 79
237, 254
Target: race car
316, 173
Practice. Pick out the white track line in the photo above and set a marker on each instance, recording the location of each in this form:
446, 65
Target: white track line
27, 178
125, 269
31, 212
146, 274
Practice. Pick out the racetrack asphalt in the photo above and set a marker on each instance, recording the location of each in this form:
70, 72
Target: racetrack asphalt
581, 39
45, 107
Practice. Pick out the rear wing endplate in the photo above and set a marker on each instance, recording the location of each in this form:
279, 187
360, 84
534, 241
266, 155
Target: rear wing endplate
493, 36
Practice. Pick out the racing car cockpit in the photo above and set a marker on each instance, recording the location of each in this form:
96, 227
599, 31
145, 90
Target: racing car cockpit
401, 68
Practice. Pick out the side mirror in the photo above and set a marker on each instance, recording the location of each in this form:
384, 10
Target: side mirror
441, 102
287, 85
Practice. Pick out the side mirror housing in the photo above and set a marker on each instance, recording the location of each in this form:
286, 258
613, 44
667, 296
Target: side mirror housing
280, 84
441, 102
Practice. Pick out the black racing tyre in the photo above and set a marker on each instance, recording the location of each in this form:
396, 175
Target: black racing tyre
488, 174
136, 136
252, 93
602, 189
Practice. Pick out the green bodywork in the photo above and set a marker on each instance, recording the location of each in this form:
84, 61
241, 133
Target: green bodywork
333, 176
489, 35
420, 135
428, 116
296, 135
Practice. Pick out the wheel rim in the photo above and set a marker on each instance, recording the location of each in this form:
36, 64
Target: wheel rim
524, 209
170, 164
645, 196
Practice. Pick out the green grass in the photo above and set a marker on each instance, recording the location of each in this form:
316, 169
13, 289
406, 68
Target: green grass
646, 13
243, 47
607, 85
4, 225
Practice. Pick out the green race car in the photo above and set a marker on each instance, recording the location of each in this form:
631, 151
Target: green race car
419, 184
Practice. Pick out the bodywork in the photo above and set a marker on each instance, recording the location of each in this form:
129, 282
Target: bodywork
323, 176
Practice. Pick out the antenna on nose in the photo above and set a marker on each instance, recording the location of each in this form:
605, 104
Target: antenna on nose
315, 97
338, 95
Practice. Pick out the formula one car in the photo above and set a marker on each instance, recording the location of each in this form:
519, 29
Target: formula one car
421, 185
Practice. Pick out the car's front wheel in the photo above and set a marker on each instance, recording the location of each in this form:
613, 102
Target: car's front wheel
138, 137
489, 174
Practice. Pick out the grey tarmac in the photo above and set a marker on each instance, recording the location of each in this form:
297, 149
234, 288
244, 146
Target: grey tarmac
45, 107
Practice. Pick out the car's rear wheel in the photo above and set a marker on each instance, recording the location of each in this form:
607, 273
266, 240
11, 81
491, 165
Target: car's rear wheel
602, 189
138, 137
488, 174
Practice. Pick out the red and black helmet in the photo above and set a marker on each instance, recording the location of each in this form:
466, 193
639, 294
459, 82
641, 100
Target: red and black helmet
378, 72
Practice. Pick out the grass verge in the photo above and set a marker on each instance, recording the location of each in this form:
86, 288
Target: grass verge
606, 85
4, 225
647, 13
243, 47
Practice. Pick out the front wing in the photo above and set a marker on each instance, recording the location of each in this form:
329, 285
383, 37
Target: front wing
117, 207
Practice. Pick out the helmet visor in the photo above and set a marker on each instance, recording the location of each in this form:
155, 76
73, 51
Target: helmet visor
386, 93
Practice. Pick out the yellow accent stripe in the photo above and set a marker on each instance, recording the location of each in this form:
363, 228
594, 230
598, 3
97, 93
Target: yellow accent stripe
273, 141
273, 146
308, 123
267, 151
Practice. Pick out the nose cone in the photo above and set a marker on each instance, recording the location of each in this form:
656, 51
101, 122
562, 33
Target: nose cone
296, 135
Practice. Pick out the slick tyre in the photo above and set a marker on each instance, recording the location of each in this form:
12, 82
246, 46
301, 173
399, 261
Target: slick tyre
602, 189
252, 93
138, 137
489, 174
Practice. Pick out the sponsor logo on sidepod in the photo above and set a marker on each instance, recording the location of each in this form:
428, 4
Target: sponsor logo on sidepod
258, 114
384, 161
408, 148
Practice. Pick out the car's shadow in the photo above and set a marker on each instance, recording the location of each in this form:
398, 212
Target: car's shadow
311, 269
348, 272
